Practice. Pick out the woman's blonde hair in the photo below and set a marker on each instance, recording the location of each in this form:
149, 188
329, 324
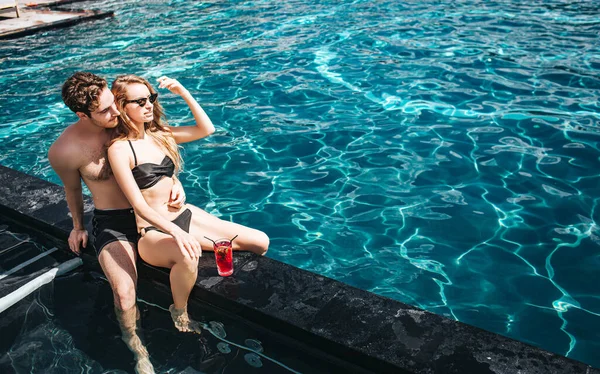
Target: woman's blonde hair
157, 129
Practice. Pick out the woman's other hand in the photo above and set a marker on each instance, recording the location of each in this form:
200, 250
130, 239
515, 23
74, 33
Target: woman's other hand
177, 198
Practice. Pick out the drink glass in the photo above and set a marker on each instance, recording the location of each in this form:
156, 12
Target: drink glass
224, 256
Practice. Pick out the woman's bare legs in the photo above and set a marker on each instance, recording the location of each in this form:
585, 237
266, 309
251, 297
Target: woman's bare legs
161, 250
205, 224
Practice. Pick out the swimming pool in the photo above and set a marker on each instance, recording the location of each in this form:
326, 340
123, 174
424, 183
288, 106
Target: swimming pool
442, 154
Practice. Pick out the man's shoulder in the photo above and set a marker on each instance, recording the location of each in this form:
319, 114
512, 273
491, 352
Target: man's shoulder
67, 147
70, 133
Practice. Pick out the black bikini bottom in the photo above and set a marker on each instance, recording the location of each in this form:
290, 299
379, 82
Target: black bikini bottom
183, 221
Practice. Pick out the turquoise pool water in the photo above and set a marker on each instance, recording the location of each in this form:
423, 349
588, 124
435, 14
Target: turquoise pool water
442, 153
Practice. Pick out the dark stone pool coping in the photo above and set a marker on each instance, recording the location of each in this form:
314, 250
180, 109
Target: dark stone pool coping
370, 332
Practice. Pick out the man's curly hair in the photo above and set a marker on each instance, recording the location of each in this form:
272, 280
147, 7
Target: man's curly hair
81, 91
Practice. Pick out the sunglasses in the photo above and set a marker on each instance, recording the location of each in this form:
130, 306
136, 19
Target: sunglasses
142, 102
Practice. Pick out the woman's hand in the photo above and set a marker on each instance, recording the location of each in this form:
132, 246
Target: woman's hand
172, 85
177, 198
204, 126
189, 246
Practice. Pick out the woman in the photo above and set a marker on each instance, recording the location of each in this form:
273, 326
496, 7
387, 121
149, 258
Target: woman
145, 158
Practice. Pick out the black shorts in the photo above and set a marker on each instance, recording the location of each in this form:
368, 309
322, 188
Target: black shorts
113, 225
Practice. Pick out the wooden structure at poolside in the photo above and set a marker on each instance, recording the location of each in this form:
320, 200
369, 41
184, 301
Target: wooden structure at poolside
35, 17
9, 4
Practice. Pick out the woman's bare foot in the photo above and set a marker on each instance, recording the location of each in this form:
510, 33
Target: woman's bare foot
182, 320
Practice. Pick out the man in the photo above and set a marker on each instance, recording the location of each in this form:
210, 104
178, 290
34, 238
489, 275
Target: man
80, 153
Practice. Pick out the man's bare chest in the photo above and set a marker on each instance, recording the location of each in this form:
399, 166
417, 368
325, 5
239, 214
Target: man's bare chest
95, 164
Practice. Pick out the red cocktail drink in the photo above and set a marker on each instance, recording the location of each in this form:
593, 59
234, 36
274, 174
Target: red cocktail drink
224, 256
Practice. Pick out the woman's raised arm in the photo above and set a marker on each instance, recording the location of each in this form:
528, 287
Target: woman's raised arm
204, 126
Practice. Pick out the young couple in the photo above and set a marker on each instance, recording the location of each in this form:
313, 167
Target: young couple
128, 156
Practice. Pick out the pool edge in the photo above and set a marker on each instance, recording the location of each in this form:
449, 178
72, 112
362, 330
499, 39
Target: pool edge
370, 331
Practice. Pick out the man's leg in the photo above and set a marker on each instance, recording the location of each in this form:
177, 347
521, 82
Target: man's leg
117, 260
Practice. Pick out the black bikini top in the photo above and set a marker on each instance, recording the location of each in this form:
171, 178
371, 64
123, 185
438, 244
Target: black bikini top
147, 175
